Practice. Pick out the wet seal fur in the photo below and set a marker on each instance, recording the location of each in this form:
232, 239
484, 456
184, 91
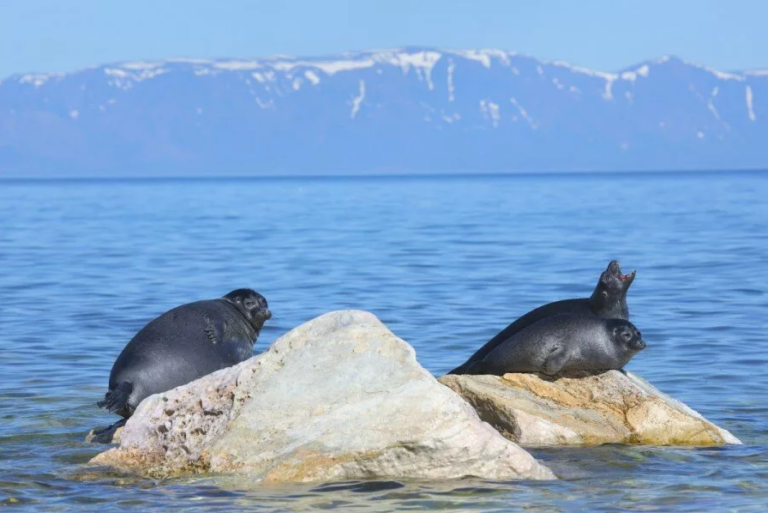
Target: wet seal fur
564, 342
608, 300
184, 344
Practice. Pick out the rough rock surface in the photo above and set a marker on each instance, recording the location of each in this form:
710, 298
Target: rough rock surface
584, 409
339, 397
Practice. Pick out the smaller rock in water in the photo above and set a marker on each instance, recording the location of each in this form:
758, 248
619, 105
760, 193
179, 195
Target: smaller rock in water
585, 409
338, 398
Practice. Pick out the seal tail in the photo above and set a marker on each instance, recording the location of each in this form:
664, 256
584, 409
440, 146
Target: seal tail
116, 400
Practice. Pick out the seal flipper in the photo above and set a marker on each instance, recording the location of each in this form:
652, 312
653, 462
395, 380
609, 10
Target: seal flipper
556, 360
105, 435
116, 400
214, 331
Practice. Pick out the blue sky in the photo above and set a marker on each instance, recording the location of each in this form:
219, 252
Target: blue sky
57, 35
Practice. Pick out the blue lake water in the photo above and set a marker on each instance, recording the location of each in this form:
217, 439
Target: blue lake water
445, 262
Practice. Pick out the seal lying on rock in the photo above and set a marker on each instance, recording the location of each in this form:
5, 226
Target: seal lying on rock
564, 342
185, 344
609, 300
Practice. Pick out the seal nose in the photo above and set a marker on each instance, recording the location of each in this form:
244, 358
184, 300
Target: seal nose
640, 344
267, 314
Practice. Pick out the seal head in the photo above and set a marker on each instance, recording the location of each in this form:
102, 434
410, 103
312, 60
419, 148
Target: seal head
626, 337
610, 294
252, 305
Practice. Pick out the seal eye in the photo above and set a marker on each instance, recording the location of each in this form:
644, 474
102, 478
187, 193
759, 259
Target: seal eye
627, 336
249, 303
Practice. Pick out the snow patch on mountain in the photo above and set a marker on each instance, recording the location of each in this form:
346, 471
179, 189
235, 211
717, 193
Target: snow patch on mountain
237, 65
327, 67
38, 79
490, 111
358, 100
585, 71
141, 65
312, 77
523, 113
711, 103
485, 56
750, 106
451, 89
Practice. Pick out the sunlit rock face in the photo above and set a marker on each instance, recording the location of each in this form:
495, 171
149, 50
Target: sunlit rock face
585, 409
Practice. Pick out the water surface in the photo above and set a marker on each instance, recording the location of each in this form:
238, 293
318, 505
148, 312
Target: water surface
445, 262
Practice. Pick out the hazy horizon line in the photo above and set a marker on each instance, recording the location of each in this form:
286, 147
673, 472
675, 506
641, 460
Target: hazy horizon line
416, 175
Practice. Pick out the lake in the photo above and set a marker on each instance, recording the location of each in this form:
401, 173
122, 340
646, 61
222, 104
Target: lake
444, 261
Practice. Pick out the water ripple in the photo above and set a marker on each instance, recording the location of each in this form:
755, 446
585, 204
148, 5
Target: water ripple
446, 262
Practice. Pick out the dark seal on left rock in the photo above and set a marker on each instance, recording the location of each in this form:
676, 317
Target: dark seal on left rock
185, 344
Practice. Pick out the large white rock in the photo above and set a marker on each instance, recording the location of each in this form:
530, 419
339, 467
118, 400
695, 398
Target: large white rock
340, 397
585, 409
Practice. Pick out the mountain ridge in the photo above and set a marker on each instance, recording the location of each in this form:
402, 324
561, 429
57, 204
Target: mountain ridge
402, 49
405, 109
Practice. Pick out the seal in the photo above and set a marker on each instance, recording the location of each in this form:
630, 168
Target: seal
608, 300
564, 342
184, 344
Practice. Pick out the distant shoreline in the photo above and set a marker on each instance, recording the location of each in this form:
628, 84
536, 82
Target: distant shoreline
386, 176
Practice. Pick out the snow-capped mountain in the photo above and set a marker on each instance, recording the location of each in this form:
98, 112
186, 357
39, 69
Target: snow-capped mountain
401, 110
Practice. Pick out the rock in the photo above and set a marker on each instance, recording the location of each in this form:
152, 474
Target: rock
584, 409
340, 397
107, 434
